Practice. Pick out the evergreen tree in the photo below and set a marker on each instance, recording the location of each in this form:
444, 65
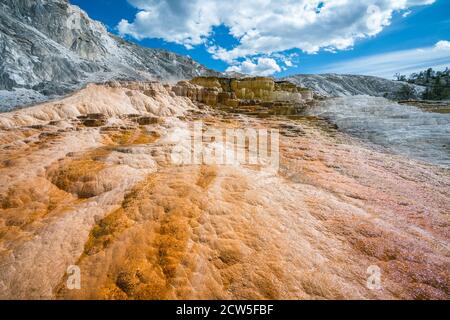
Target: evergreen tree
437, 83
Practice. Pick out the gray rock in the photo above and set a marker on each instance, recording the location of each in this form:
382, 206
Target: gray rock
340, 85
49, 48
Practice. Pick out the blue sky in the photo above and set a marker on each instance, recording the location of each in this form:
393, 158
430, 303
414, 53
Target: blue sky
284, 37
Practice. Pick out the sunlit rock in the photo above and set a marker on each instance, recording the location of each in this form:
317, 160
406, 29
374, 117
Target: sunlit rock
276, 97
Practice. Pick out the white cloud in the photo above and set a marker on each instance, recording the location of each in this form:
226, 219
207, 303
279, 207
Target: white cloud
263, 27
443, 45
406, 13
262, 67
404, 62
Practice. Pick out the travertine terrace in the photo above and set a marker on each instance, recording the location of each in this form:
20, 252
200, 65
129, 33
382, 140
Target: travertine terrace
259, 96
87, 181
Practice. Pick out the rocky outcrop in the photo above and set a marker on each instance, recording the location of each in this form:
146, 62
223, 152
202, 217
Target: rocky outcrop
340, 85
260, 88
197, 93
260, 95
93, 120
49, 48
92, 105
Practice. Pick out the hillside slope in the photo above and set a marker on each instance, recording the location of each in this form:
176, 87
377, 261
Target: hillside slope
50, 47
339, 85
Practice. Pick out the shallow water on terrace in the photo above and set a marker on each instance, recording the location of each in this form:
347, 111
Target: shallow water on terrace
401, 129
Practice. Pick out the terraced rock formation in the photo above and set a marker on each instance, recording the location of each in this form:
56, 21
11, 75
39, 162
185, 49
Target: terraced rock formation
258, 95
88, 181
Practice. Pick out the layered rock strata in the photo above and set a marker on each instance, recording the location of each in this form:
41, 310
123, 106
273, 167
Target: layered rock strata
260, 95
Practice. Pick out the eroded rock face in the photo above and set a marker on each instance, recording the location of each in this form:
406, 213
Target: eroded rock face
50, 47
197, 93
256, 92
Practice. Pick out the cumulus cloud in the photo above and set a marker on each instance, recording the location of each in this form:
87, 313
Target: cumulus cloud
263, 27
404, 62
262, 67
443, 45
